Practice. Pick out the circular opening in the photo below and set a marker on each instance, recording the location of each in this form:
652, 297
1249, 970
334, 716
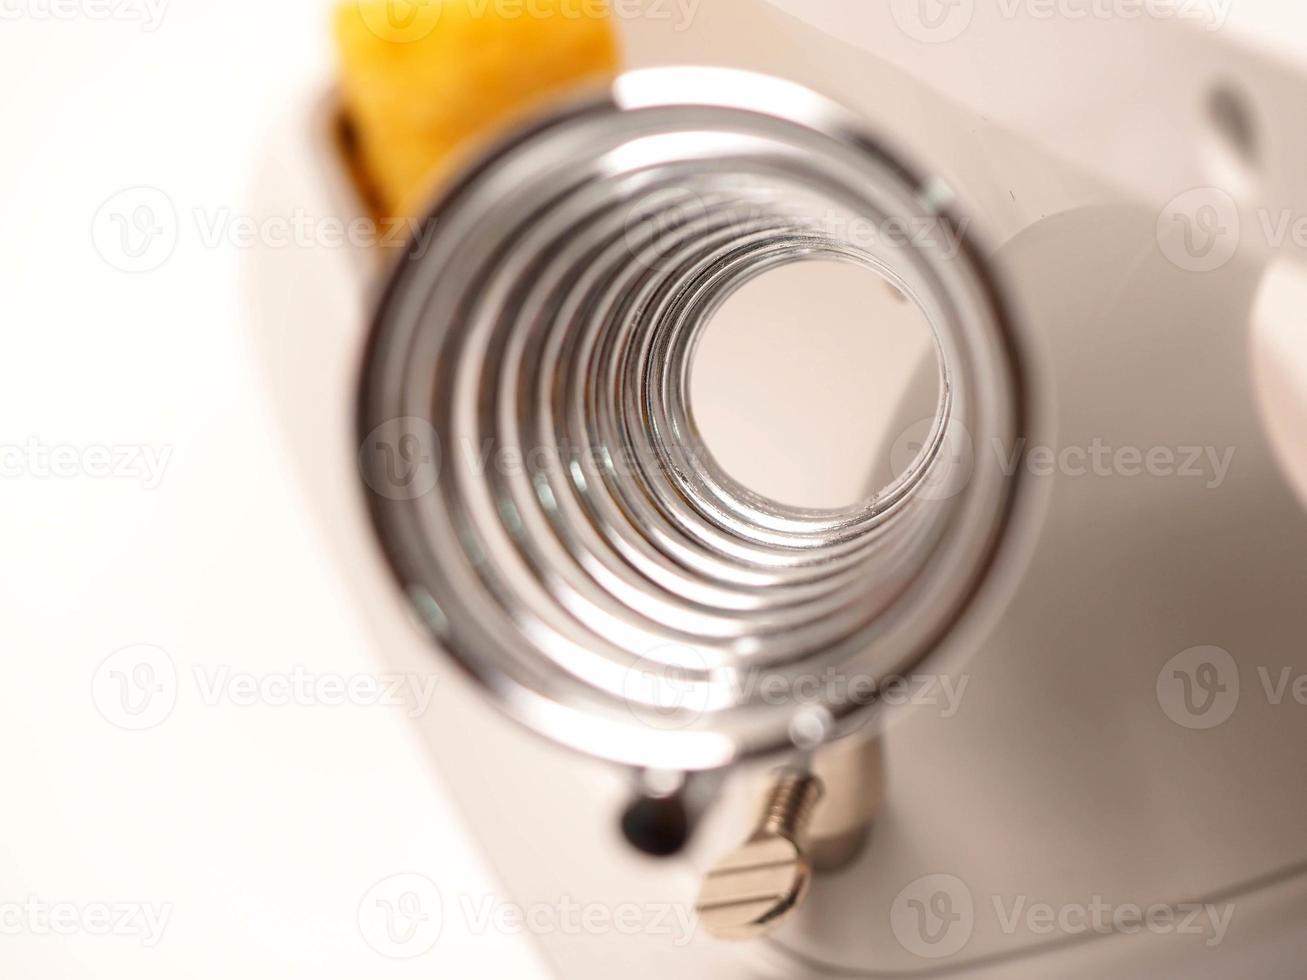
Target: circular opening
807, 375
590, 556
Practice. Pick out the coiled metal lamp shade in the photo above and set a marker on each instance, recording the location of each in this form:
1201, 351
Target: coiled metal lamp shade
558, 525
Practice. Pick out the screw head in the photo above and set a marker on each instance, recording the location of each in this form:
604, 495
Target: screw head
751, 889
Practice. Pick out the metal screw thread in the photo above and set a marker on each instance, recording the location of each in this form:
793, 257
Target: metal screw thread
789, 805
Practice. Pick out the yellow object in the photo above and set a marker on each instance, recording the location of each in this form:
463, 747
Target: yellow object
423, 76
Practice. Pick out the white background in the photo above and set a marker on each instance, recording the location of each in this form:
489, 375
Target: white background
261, 828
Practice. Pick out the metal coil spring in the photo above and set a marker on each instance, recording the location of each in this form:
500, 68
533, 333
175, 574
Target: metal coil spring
565, 535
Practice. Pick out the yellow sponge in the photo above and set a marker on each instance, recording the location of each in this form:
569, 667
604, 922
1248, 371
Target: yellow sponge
422, 76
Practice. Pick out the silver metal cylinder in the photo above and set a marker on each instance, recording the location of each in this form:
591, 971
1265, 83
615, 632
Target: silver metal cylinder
563, 531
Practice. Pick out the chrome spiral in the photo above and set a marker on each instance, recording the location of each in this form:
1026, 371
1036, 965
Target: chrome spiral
529, 443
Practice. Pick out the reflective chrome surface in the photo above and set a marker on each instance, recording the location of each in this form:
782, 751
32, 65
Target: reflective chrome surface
531, 454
